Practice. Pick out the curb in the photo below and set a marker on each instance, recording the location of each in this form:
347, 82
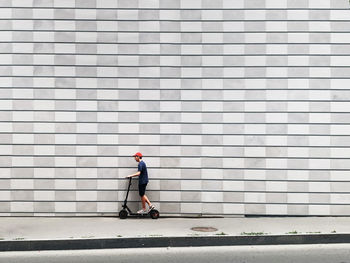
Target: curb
148, 242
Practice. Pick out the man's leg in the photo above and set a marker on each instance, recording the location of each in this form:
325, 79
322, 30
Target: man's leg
142, 190
146, 200
143, 201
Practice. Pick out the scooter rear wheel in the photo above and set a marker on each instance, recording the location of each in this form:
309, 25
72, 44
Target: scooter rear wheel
123, 214
154, 214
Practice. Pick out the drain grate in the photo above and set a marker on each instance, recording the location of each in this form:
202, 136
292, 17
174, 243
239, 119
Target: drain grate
204, 229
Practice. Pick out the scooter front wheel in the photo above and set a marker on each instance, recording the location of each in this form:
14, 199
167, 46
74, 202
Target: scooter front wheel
123, 214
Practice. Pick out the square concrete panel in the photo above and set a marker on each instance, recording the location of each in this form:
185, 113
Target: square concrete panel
44, 207
254, 209
298, 209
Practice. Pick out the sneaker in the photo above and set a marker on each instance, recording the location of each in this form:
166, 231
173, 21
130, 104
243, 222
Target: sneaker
151, 207
142, 212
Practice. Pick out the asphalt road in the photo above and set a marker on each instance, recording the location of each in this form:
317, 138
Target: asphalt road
332, 253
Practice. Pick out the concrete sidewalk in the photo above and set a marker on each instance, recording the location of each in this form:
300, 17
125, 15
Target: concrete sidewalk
105, 232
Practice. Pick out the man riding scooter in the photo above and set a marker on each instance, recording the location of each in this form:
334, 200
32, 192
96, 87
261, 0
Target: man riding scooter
143, 180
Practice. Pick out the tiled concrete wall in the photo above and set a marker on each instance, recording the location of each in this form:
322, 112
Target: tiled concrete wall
239, 106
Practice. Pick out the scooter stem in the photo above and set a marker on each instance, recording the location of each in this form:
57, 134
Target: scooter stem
127, 193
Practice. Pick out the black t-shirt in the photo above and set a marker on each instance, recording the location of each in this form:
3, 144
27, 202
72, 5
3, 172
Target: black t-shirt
143, 178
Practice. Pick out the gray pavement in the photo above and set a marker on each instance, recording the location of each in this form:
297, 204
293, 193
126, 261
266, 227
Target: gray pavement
325, 253
15, 231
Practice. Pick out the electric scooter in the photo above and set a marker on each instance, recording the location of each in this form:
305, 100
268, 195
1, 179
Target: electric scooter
125, 212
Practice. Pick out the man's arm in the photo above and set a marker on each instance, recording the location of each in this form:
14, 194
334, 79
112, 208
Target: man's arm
133, 175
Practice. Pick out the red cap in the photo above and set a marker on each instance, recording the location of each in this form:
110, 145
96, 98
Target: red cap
138, 154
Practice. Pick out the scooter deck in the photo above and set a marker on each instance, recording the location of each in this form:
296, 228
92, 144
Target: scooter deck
141, 215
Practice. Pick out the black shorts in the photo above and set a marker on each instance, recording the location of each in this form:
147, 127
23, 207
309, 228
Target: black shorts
142, 189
